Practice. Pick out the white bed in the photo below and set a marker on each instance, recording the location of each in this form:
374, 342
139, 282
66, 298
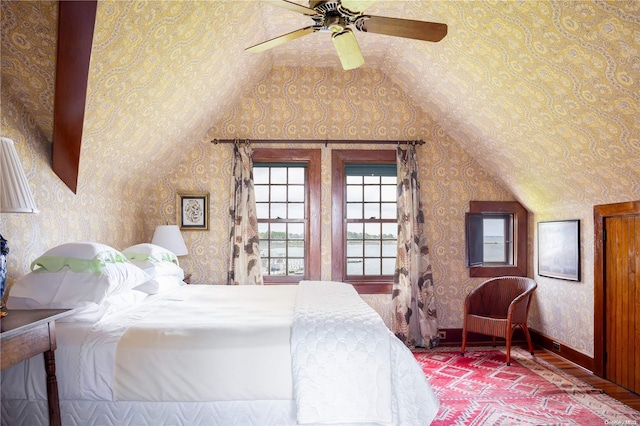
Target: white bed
313, 353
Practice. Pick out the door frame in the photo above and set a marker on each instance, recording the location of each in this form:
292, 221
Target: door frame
600, 213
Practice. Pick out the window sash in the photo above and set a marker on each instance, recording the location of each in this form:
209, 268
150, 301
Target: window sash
293, 254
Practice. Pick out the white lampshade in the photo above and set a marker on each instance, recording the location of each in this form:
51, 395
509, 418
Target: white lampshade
169, 237
15, 195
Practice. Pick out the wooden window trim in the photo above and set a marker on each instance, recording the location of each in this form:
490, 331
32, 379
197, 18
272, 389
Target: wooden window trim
364, 285
312, 158
520, 231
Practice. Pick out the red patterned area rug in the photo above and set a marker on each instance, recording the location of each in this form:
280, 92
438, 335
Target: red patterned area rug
480, 389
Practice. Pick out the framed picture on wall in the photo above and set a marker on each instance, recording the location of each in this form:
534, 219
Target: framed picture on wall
559, 249
193, 211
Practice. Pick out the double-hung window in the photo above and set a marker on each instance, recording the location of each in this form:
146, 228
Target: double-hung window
288, 205
364, 220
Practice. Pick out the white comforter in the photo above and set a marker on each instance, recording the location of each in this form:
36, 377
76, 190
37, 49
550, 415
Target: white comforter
348, 367
221, 343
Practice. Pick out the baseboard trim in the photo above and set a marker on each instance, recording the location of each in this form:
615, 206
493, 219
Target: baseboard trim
563, 351
454, 338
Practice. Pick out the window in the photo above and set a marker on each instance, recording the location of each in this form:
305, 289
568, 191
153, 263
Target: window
496, 239
288, 206
364, 219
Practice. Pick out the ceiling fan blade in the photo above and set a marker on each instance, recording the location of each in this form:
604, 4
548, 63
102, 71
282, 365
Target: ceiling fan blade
407, 28
348, 49
266, 45
358, 6
295, 7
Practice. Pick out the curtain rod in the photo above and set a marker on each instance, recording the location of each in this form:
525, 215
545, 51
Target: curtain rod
325, 142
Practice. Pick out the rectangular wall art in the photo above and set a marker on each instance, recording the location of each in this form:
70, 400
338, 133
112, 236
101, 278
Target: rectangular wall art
559, 249
193, 211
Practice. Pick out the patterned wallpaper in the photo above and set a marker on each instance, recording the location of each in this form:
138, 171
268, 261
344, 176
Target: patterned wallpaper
302, 103
533, 100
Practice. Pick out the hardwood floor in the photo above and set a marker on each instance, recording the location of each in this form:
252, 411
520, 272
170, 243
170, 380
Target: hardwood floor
617, 392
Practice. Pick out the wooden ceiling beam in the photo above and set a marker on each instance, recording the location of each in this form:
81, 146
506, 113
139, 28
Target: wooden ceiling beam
76, 22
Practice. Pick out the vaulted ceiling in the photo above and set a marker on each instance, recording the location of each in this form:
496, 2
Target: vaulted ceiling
544, 94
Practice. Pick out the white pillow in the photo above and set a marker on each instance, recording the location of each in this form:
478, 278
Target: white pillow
160, 284
148, 251
79, 257
68, 289
154, 260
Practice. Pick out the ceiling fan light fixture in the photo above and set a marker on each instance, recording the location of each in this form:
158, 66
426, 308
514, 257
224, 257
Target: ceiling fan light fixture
348, 49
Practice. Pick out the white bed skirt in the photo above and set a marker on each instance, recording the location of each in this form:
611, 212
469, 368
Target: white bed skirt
119, 413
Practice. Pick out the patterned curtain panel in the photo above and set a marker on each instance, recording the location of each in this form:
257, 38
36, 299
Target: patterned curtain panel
413, 300
244, 264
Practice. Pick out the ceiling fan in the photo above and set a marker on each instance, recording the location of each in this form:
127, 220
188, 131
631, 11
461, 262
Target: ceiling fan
339, 16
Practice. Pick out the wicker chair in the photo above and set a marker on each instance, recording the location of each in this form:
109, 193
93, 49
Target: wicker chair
496, 307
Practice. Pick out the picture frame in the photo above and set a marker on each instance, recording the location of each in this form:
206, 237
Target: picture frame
192, 212
559, 249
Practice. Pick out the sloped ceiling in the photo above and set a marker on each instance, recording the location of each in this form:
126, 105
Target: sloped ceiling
545, 94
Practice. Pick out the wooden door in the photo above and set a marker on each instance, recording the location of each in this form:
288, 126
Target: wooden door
620, 252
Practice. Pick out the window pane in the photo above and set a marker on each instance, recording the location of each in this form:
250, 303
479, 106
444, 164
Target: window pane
278, 175
388, 266
296, 211
354, 193
262, 193
371, 193
372, 230
354, 230
263, 231
388, 193
296, 193
262, 209
372, 210
355, 248
278, 231
277, 267
354, 211
278, 193
354, 266
296, 231
389, 210
296, 266
372, 249
494, 239
389, 248
296, 175
296, 248
260, 176
277, 248
389, 180
372, 266
354, 180
371, 179
390, 231
278, 211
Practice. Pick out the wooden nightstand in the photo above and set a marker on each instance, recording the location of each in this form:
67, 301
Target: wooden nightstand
26, 333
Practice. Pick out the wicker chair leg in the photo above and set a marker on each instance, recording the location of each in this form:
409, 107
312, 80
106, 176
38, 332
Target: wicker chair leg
528, 337
464, 342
